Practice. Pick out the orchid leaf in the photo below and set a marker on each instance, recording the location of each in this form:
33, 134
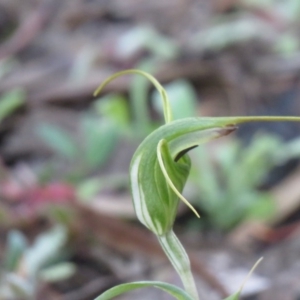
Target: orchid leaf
236, 296
173, 290
11, 101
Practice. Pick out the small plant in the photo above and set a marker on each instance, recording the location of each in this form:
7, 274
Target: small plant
99, 137
24, 266
158, 173
227, 188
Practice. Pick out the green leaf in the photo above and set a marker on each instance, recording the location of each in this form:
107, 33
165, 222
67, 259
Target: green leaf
146, 37
16, 245
235, 296
258, 158
45, 248
288, 151
114, 107
287, 44
88, 188
14, 286
100, 137
204, 176
263, 207
6, 66
59, 140
228, 32
10, 101
58, 272
183, 99
127, 287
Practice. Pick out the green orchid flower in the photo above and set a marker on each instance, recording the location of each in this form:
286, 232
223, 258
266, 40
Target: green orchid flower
158, 173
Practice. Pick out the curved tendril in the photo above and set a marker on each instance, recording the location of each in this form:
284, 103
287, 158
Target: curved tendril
166, 103
169, 181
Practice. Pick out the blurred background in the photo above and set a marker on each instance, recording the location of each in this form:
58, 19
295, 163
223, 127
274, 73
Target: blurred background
67, 226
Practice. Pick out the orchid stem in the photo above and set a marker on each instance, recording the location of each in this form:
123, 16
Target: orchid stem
180, 261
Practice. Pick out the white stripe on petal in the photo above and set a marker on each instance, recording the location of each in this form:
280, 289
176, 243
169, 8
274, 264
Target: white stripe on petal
139, 200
